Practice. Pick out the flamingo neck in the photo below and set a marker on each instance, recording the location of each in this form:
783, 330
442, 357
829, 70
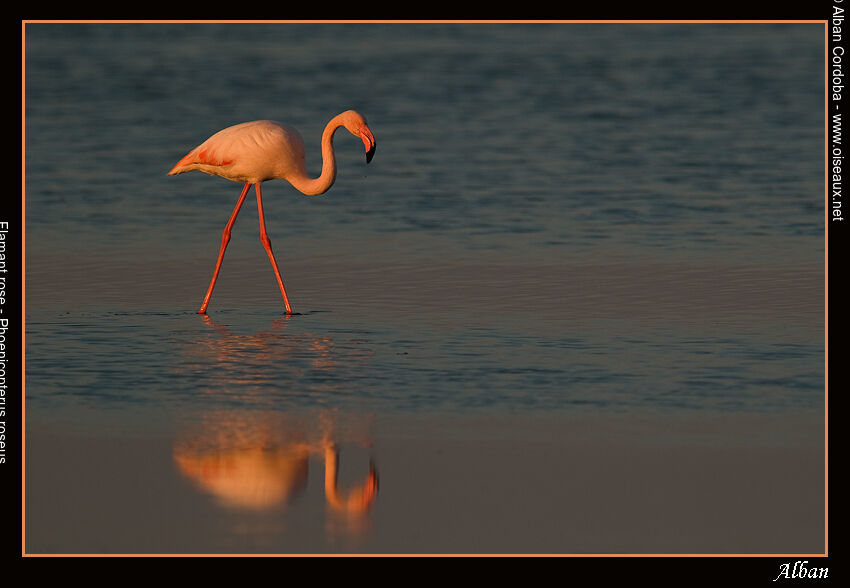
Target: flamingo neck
315, 186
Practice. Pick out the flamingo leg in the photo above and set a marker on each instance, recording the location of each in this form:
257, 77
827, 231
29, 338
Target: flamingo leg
225, 239
264, 238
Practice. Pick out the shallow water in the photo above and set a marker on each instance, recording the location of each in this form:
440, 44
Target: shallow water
602, 242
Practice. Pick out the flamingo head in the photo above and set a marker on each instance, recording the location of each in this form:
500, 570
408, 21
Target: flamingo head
355, 123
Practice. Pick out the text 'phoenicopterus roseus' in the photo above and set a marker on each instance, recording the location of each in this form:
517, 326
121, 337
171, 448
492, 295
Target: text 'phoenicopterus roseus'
254, 152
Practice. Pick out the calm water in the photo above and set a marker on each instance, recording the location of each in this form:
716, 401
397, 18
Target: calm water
563, 224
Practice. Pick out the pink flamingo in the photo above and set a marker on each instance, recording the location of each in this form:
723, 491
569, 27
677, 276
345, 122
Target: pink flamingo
254, 152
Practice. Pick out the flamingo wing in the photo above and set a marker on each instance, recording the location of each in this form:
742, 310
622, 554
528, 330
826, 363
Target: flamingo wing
215, 152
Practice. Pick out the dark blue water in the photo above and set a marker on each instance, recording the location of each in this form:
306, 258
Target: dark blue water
559, 219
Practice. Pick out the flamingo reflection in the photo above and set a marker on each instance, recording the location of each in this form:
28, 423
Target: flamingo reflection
256, 458
249, 461
244, 464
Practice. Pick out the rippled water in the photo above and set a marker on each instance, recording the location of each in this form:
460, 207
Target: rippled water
559, 219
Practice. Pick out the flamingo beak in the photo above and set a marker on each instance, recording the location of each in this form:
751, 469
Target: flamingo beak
368, 141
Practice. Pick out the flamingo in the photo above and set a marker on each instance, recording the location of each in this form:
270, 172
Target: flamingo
254, 152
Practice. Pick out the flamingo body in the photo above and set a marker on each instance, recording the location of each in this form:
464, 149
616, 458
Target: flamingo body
254, 152
251, 152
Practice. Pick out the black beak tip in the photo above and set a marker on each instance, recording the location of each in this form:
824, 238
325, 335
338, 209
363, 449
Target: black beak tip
370, 154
